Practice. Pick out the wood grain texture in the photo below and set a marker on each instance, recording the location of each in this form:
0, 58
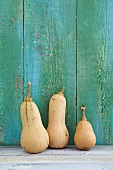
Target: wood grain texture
11, 70
50, 54
99, 158
94, 67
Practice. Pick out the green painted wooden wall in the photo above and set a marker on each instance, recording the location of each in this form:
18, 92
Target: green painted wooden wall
55, 43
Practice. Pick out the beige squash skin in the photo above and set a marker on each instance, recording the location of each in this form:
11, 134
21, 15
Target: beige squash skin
84, 137
34, 137
57, 130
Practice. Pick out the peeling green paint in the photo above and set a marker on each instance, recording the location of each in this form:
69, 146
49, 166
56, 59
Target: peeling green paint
55, 44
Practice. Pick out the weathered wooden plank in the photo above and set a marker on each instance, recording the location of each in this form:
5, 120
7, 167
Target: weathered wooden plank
58, 166
50, 54
100, 157
11, 70
69, 150
94, 68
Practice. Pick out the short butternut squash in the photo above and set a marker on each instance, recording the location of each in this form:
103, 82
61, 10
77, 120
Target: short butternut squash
84, 137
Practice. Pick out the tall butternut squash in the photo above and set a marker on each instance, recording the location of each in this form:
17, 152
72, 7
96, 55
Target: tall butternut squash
34, 137
57, 130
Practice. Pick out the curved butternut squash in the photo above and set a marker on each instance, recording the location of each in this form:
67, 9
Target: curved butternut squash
57, 130
84, 137
34, 137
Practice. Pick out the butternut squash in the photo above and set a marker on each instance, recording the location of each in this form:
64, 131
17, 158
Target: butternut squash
84, 137
57, 130
34, 137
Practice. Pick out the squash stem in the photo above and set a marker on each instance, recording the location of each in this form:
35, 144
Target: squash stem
28, 97
83, 112
28, 89
61, 92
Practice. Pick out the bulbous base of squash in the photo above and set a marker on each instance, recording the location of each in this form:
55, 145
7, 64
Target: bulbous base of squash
33, 141
84, 137
85, 141
58, 139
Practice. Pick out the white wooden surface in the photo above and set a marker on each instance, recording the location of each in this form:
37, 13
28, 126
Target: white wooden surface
69, 158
